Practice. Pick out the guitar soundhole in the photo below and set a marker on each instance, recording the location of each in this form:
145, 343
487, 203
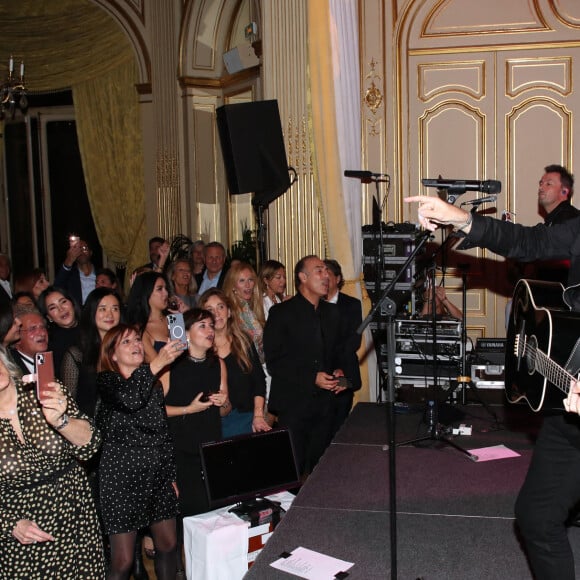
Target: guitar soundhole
530, 352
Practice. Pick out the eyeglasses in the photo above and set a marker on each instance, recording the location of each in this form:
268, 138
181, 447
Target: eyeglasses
33, 329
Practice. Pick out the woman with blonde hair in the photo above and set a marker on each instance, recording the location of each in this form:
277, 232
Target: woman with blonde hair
182, 283
273, 284
242, 288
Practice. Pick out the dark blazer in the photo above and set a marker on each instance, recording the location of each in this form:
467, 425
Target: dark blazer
299, 342
199, 277
350, 319
531, 243
17, 358
4, 297
70, 280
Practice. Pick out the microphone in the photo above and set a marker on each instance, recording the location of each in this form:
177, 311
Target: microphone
364, 175
477, 202
459, 186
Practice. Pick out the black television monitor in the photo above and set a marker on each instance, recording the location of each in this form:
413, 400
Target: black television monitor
246, 467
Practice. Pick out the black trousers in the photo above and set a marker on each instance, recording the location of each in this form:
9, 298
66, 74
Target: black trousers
550, 492
310, 425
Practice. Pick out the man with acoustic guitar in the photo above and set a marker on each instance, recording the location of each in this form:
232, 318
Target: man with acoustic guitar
552, 486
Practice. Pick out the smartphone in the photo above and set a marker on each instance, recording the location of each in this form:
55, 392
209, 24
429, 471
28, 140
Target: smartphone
206, 395
44, 371
73, 239
344, 382
176, 327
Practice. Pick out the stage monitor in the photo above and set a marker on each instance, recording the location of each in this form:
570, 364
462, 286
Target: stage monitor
245, 467
253, 149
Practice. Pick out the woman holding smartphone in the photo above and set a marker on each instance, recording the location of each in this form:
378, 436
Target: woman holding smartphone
137, 468
197, 395
48, 523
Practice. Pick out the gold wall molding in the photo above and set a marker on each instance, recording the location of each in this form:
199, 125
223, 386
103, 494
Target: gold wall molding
473, 17
531, 74
567, 11
373, 98
546, 122
438, 78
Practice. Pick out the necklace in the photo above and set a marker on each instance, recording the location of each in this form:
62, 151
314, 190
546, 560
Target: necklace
222, 343
197, 360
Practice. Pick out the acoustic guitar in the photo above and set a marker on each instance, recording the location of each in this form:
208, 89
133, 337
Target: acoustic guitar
543, 345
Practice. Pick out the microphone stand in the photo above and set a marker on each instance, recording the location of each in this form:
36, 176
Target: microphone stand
436, 433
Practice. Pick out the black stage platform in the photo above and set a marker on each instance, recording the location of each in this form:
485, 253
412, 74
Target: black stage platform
455, 517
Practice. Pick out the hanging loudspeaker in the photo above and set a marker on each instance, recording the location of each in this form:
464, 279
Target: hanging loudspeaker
253, 150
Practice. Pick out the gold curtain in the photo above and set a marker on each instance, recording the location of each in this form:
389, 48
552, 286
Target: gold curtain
324, 134
75, 44
327, 163
109, 131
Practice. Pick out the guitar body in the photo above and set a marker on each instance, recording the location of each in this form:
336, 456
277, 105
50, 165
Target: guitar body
539, 321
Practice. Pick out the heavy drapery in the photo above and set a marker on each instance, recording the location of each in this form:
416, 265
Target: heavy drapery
336, 128
74, 44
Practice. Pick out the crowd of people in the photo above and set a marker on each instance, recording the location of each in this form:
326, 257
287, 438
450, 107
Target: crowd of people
106, 455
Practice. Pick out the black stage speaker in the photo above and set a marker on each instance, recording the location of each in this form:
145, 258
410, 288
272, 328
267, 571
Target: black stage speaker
253, 150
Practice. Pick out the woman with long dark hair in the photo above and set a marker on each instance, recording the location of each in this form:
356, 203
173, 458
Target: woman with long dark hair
9, 325
137, 467
146, 307
63, 315
101, 312
196, 397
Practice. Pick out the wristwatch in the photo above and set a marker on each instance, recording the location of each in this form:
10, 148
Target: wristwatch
63, 422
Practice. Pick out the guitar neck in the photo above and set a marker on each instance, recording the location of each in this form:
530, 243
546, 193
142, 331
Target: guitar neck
552, 371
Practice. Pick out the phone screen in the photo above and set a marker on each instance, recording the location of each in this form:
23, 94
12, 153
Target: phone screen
44, 371
344, 382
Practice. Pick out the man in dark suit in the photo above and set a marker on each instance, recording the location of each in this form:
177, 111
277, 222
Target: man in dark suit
302, 344
350, 319
33, 339
5, 288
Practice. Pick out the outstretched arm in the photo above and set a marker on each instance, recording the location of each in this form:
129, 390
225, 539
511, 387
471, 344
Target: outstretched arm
434, 212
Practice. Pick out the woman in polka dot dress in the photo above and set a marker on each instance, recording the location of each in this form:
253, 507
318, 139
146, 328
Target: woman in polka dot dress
48, 524
137, 468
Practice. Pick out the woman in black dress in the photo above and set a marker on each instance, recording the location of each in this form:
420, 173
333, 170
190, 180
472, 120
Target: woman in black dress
196, 398
137, 469
246, 379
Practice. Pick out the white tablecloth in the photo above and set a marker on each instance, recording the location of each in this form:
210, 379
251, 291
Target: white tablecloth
216, 543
